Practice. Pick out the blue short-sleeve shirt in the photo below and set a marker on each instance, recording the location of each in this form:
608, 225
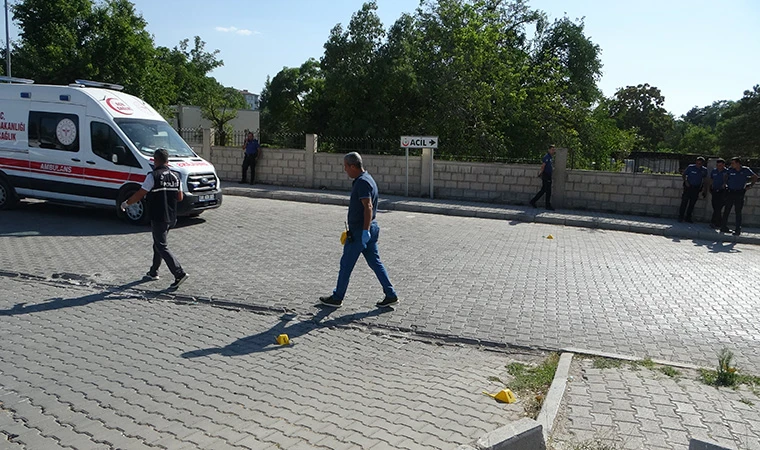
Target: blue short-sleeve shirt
363, 187
718, 179
738, 179
695, 176
548, 161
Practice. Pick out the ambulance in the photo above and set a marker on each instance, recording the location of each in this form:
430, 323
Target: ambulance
89, 144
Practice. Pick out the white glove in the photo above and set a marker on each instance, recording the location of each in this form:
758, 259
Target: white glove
124, 205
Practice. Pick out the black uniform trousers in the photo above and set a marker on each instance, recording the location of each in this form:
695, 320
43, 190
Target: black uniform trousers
734, 199
688, 201
161, 250
718, 202
546, 188
249, 161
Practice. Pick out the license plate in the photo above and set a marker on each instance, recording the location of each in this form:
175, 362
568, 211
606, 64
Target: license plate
206, 198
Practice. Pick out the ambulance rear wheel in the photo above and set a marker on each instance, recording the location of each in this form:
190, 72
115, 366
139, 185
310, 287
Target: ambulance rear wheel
136, 214
8, 197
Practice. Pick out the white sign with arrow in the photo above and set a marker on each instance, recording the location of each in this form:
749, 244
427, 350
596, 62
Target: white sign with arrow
419, 141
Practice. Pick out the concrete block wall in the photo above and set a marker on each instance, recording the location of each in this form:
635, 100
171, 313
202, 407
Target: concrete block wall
642, 194
638, 194
282, 167
500, 183
389, 173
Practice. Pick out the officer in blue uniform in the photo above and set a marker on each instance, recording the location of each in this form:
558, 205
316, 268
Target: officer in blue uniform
718, 180
740, 178
545, 173
363, 233
693, 181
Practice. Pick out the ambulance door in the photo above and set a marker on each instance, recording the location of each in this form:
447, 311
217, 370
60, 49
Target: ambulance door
56, 162
110, 163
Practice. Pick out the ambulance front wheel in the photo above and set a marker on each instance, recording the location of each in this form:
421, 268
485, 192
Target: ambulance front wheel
8, 196
136, 214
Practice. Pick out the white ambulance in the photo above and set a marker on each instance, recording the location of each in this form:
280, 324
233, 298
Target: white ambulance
88, 144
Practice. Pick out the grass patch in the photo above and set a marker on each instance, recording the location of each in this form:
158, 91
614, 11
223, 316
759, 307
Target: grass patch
607, 363
670, 371
747, 401
533, 382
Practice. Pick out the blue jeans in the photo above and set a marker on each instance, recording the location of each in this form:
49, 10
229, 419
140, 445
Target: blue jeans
351, 252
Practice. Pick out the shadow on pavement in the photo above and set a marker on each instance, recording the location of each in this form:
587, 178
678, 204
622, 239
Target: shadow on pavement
717, 247
60, 303
265, 341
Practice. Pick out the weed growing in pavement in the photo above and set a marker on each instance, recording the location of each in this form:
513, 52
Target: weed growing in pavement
670, 371
593, 444
607, 363
646, 362
726, 375
747, 401
532, 383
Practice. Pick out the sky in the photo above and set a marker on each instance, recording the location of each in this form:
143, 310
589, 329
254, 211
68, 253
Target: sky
695, 51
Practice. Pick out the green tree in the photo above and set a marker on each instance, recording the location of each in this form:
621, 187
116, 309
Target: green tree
738, 131
640, 108
220, 106
289, 102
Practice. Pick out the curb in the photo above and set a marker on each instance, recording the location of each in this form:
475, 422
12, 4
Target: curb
526, 433
502, 212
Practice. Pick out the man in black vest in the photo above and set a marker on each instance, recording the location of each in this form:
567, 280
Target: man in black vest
162, 186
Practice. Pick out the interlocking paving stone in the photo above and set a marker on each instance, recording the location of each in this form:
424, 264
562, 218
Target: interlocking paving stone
482, 279
230, 386
681, 412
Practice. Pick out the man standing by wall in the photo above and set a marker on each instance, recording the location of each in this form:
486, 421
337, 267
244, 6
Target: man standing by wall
162, 186
740, 178
545, 173
251, 147
693, 181
363, 233
718, 179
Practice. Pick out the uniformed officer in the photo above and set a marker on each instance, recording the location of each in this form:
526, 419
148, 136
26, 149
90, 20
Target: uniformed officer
718, 179
363, 233
740, 178
162, 186
545, 173
693, 181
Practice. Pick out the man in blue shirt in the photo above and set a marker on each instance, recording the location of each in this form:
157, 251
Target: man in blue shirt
740, 178
718, 180
251, 147
693, 181
363, 233
545, 173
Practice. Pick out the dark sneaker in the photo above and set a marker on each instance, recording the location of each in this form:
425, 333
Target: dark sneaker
387, 302
331, 301
725, 230
737, 232
533, 204
689, 220
152, 276
549, 207
178, 281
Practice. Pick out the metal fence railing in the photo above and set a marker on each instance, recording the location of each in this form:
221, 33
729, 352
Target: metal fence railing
283, 140
191, 135
362, 145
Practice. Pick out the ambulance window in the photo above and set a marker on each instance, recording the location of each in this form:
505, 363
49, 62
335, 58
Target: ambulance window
106, 143
54, 131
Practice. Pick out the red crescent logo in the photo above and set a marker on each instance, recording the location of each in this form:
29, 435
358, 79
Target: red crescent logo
119, 106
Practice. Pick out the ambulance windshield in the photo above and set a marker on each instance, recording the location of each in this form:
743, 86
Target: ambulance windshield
150, 135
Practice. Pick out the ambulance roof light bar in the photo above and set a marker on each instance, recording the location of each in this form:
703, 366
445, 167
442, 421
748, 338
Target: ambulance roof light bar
99, 84
16, 80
